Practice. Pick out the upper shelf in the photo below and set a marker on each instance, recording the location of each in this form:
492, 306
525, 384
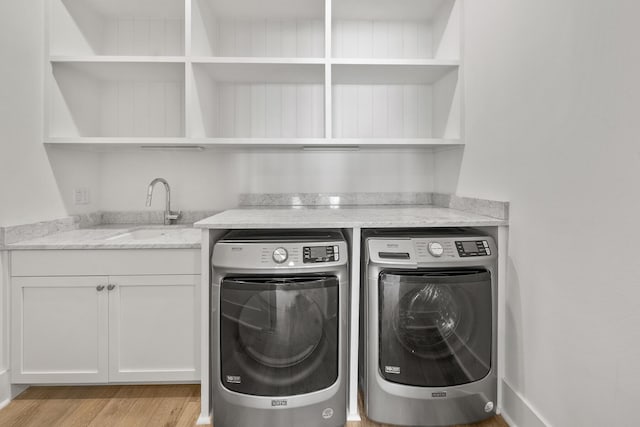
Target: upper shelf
373, 72
198, 144
116, 27
275, 28
396, 29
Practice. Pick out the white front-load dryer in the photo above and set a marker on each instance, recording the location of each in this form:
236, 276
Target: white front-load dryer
279, 328
429, 327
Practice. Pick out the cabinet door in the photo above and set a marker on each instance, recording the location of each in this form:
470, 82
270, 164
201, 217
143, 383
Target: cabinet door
154, 328
59, 330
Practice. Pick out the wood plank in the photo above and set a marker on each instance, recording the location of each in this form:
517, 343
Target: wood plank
130, 405
85, 403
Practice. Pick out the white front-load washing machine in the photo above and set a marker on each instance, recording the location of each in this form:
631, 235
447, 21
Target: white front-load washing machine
429, 326
279, 301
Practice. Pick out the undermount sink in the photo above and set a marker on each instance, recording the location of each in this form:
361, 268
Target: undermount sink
141, 234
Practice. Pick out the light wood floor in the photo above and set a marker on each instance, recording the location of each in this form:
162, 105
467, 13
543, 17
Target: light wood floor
120, 406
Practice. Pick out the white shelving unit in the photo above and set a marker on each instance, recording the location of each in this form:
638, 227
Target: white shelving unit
395, 101
248, 73
253, 28
411, 29
117, 27
106, 98
258, 100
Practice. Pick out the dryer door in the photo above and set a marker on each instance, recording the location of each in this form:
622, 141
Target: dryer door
435, 326
279, 335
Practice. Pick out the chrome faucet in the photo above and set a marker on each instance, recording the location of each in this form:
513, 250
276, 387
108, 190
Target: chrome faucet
169, 217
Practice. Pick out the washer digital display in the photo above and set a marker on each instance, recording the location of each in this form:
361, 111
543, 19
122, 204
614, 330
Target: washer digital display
320, 254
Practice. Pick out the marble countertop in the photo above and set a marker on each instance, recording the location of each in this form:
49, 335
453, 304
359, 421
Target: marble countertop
116, 236
347, 217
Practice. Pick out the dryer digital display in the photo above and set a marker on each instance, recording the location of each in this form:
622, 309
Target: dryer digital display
470, 248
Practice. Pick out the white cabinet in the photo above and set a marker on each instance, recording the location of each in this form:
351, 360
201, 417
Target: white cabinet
60, 329
96, 317
153, 328
227, 73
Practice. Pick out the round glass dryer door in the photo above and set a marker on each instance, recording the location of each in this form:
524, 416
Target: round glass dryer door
428, 318
435, 326
279, 335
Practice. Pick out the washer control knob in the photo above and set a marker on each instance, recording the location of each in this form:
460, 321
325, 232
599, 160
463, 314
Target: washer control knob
280, 255
435, 249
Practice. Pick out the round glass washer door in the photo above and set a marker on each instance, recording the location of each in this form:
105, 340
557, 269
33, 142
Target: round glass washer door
431, 321
280, 328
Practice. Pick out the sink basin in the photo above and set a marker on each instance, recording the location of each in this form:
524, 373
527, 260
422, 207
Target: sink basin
141, 234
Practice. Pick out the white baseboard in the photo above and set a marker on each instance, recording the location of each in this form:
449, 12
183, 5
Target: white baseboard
518, 411
203, 420
8, 392
353, 417
5, 389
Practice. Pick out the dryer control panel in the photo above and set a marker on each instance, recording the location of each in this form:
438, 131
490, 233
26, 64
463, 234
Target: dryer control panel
428, 250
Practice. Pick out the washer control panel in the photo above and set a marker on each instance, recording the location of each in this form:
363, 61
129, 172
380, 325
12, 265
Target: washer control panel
471, 248
430, 249
313, 254
279, 254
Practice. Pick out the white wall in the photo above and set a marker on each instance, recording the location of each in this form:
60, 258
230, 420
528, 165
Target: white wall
214, 179
74, 169
553, 125
4, 336
27, 187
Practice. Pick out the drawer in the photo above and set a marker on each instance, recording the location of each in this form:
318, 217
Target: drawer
105, 262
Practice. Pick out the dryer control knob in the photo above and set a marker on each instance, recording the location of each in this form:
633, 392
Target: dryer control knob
435, 249
280, 255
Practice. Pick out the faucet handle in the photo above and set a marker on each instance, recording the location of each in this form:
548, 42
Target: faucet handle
173, 215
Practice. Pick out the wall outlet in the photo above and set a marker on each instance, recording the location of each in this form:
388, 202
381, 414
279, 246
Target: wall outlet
81, 196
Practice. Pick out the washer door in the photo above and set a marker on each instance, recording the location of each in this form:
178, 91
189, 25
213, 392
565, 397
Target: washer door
435, 326
279, 335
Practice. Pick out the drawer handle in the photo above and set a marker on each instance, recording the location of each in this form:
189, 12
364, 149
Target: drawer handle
99, 288
111, 287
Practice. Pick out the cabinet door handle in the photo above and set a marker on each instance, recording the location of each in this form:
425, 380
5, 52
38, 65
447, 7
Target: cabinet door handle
111, 287
99, 288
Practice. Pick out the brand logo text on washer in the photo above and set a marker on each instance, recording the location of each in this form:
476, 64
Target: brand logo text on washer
278, 402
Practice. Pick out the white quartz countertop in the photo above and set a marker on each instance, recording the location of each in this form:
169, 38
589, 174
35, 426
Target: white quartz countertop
116, 237
347, 217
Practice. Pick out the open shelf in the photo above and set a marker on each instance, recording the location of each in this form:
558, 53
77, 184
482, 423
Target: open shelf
258, 101
245, 28
117, 27
396, 29
395, 101
252, 73
113, 99
198, 144
117, 59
